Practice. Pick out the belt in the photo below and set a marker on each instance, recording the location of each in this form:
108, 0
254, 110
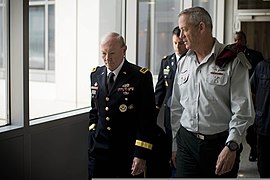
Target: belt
212, 136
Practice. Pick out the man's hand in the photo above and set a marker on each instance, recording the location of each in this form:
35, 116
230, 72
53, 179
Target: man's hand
138, 166
225, 161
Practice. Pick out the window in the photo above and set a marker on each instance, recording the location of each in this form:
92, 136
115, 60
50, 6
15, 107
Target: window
208, 5
3, 64
64, 40
253, 4
42, 40
156, 22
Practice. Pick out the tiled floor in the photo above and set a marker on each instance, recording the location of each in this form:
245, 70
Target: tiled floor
247, 169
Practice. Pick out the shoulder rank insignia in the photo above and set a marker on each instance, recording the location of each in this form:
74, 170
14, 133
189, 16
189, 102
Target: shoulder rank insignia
94, 69
228, 54
241, 56
144, 70
164, 57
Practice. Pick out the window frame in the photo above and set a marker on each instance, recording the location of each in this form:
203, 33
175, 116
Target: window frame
5, 69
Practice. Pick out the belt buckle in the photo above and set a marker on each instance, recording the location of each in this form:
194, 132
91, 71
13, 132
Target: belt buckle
200, 136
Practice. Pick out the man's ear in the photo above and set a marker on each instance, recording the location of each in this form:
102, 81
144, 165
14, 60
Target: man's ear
124, 49
202, 26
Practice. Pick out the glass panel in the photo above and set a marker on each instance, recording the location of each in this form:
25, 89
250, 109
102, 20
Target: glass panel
51, 38
253, 4
37, 37
73, 50
156, 22
3, 64
208, 5
1, 37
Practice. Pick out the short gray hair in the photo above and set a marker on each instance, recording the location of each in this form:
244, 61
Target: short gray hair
197, 15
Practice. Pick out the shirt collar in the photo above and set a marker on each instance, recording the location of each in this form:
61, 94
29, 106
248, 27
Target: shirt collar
117, 70
177, 56
216, 49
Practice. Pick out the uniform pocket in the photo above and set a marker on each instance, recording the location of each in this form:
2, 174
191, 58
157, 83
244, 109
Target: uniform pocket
264, 81
183, 77
217, 78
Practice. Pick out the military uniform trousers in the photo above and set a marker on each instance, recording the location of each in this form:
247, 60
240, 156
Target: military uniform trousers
196, 158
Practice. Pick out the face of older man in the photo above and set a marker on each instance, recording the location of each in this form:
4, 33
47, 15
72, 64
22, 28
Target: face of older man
112, 52
190, 33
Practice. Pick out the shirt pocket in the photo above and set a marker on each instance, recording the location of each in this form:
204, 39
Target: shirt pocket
264, 81
217, 78
183, 77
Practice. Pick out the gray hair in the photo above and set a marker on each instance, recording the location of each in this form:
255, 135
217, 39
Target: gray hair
197, 15
115, 35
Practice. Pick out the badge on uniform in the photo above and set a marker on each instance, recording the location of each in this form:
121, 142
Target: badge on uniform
123, 108
125, 89
166, 83
94, 88
131, 106
166, 71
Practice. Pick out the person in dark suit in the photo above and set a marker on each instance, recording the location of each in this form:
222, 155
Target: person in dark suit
260, 85
254, 57
122, 118
163, 89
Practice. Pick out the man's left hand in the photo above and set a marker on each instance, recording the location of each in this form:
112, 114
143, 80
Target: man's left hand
138, 166
225, 161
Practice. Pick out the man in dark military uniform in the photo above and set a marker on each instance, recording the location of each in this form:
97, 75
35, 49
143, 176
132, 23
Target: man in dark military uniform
121, 116
163, 89
254, 57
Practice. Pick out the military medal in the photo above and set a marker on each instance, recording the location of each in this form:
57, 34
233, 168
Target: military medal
166, 83
123, 108
130, 106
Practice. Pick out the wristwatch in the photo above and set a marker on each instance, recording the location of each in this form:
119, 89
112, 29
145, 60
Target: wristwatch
233, 146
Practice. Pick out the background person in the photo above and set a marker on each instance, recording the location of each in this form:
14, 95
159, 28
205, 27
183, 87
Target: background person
163, 89
211, 104
254, 57
260, 86
122, 118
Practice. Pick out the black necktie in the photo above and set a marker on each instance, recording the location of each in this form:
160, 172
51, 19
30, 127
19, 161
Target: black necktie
110, 81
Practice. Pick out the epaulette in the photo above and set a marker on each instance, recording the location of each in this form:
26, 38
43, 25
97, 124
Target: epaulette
228, 54
244, 60
92, 127
164, 57
94, 69
144, 70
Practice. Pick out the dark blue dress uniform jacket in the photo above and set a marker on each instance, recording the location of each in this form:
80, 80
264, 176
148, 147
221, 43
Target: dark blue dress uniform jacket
122, 120
163, 89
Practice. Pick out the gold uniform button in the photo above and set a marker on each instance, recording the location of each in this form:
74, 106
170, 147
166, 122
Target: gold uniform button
107, 98
106, 108
109, 128
107, 118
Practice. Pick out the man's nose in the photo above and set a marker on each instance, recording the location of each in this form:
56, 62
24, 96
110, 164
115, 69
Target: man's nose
181, 34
